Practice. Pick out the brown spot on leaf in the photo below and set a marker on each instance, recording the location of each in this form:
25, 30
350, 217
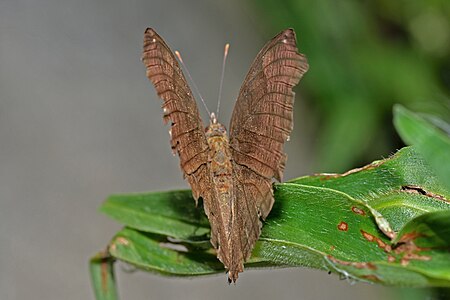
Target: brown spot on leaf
405, 250
105, 265
122, 241
342, 226
366, 265
413, 256
380, 243
326, 176
112, 247
409, 237
367, 236
358, 265
414, 189
104, 274
118, 241
383, 245
408, 250
372, 277
358, 211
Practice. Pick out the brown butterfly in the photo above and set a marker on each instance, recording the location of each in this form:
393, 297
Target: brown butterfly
233, 175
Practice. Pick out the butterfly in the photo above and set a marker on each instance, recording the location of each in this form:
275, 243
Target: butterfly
232, 174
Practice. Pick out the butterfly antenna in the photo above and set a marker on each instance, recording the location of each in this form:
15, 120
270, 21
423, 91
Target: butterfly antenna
225, 54
192, 80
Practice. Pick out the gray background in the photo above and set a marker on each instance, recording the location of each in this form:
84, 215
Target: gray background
80, 121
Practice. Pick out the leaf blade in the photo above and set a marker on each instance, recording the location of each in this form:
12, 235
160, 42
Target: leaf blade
429, 140
101, 268
320, 221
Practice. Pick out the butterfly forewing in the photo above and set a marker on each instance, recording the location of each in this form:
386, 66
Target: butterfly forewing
262, 119
261, 123
179, 107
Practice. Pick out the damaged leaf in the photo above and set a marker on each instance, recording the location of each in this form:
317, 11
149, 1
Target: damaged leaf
327, 221
398, 189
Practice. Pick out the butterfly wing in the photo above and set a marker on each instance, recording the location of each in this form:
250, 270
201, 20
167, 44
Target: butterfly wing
187, 131
261, 123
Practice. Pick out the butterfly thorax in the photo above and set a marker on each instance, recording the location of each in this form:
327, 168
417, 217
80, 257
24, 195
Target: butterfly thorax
219, 156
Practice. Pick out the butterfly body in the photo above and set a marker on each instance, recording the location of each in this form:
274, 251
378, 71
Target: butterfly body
219, 159
232, 173
220, 203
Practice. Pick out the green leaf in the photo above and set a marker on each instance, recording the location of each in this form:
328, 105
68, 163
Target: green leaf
392, 187
102, 276
432, 142
329, 222
157, 253
424, 238
333, 224
161, 212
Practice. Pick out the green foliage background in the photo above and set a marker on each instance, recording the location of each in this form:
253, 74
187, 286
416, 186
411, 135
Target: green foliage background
364, 57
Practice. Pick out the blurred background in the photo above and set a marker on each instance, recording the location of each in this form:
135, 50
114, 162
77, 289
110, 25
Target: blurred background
79, 121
